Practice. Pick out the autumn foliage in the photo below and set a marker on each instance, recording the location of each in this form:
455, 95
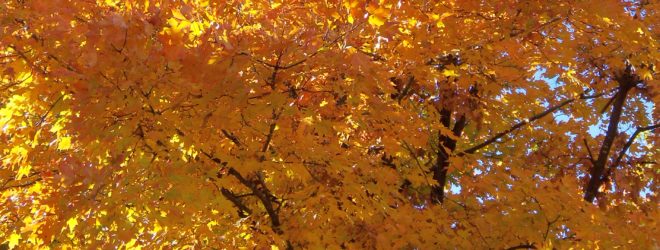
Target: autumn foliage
356, 124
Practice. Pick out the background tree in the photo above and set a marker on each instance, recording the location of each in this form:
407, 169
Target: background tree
312, 124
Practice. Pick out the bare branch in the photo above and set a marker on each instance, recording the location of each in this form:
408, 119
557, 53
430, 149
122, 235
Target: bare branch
257, 187
243, 210
231, 137
630, 142
271, 130
523, 246
43, 117
591, 156
499, 135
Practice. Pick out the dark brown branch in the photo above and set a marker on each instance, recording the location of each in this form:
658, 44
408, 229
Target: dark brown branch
231, 137
12, 84
301, 61
626, 82
26, 184
262, 193
271, 131
607, 105
459, 126
523, 246
22, 55
591, 156
43, 117
374, 56
630, 142
446, 144
499, 135
243, 211
517, 126
276, 68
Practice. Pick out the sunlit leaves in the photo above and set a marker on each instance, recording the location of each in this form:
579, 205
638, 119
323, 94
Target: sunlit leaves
316, 124
13, 240
64, 143
378, 16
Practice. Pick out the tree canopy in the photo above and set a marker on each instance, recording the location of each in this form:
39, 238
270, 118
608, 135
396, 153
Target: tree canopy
353, 124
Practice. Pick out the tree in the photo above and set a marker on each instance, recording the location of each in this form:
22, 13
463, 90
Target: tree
329, 124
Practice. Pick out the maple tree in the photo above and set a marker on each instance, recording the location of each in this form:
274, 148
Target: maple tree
329, 124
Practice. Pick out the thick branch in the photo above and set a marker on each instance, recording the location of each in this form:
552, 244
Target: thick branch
445, 146
598, 168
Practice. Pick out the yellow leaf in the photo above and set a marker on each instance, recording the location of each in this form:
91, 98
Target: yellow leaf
378, 17
18, 152
197, 28
274, 5
177, 14
23, 171
35, 188
26, 77
72, 223
35, 141
112, 3
211, 224
131, 244
439, 18
645, 74
308, 120
13, 240
449, 72
245, 236
65, 143
376, 21
56, 127
157, 228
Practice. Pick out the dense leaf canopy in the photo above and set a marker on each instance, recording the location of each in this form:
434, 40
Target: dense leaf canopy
352, 124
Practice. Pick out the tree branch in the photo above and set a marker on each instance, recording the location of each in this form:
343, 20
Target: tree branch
499, 135
271, 130
231, 137
243, 211
43, 117
591, 156
445, 147
25, 184
626, 82
630, 142
262, 193
523, 246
